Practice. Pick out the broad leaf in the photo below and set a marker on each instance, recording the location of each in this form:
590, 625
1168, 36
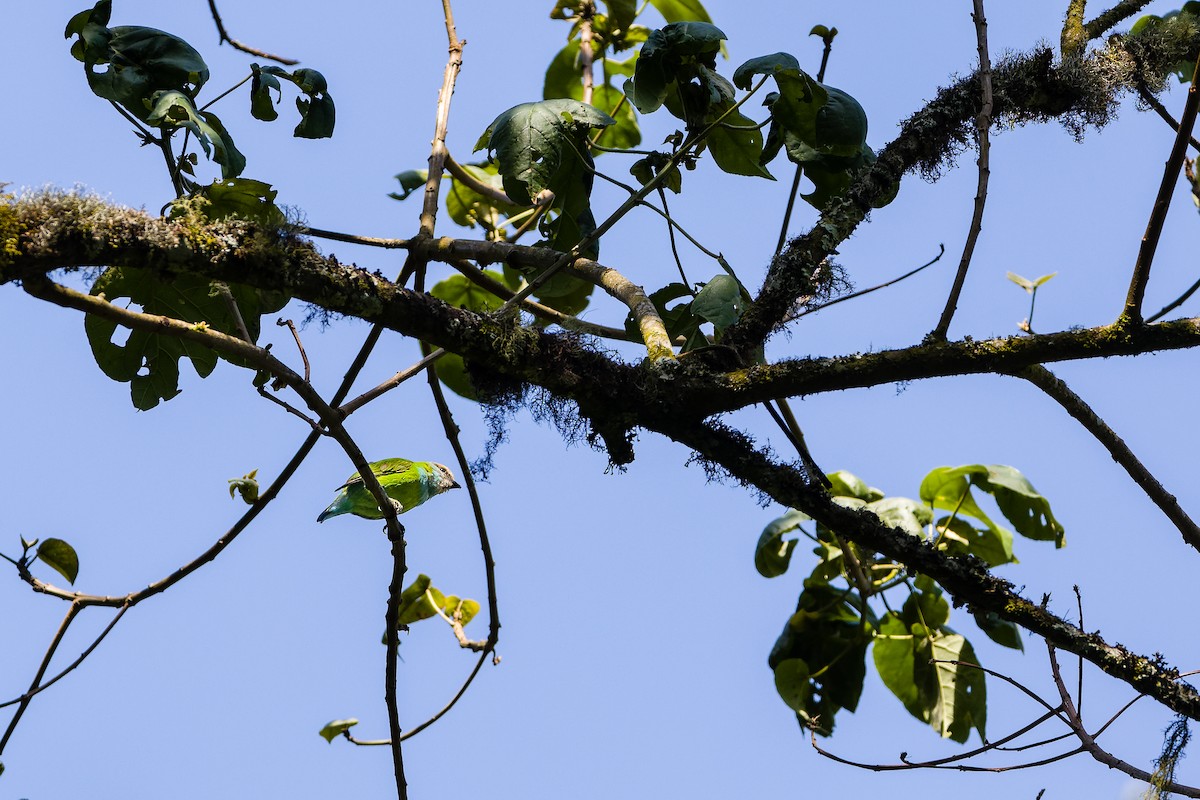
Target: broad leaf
174, 109
773, 553
668, 59
1000, 631
719, 301
318, 114
149, 362
61, 557
846, 484
141, 61
1020, 503
901, 512
243, 198
681, 10
410, 181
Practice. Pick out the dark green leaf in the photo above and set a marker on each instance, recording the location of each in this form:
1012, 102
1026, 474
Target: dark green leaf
61, 557
262, 101
772, 554
336, 728
141, 61
926, 606
895, 661
317, 110
791, 681
719, 301
1000, 631
174, 109
668, 58
533, 141
452, 372
410, 181
149, 361
736, 144
743, 76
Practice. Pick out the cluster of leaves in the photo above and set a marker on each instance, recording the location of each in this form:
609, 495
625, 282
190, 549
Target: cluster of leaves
820, 659
156, 77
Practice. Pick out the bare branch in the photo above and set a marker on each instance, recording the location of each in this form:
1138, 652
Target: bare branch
983, 123
235, 44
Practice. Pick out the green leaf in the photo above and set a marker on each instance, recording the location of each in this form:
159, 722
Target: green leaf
668, 58
829, 635
901, 512
468, 207
736, 150
141, 61
336, 728
719, 301
926, 606
61, 557
466, 607
460, 292
961, 691
681, 10
317, 111
243, 198
959, 537
1024, 283
414, 602
895, 661
174, 109
265, 92
149, 361
452, 372
410, 181
1000, 631
1020, 503
772, 554
743, 76
246, 486
846, 484
533, 140
791, 681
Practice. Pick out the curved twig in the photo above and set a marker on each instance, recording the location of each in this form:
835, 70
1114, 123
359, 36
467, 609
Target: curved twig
245, 48
983, 123
1074, 405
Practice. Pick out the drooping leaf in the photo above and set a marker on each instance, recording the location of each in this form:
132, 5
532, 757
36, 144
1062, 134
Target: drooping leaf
830, 635
736, 143
174, 109
336, 728
265, 92
61, 557
961, 690
1028, 511
773, 553
317, 110
668, 59
414, 602
719, 301
410, 181
1000, 631
901, 512
140, 61
149, 362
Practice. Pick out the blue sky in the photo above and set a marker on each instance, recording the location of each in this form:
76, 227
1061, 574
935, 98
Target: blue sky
635, 627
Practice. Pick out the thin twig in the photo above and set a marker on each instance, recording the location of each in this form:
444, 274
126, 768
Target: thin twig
1147, 97
983, 123
87, 652
291, 326
1074, 405
346, 409
1132, 313
1088, 742
437, 154
72, 612
239, 323
392, 642
235, 44
877, 287
463, 176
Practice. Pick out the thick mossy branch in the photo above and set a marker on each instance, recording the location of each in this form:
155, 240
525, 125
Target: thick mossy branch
967, 579
1080, 92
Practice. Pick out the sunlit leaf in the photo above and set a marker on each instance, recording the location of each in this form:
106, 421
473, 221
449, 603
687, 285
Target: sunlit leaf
61, 557
336, 728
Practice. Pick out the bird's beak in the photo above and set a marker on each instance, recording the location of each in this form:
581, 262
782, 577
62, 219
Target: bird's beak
455, 485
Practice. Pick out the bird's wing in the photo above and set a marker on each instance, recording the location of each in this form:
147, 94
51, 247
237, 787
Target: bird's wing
387, 466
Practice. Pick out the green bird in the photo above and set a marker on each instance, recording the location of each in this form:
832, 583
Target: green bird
408, 483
